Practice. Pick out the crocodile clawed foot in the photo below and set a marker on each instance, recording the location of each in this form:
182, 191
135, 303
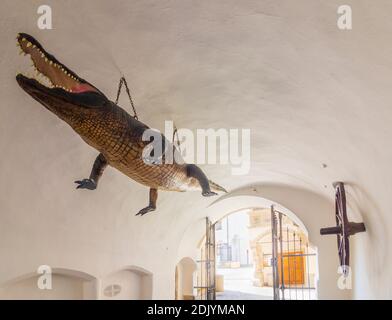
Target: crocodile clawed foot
86, 184
145, 210
208, 193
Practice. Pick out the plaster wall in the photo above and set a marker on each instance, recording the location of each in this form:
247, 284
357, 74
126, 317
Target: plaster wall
134, 286
317, 100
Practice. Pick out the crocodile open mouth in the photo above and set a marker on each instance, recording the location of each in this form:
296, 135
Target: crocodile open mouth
49, 71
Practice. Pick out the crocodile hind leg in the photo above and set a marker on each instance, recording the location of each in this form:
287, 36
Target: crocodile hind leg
195, 172
153, 203
91, 183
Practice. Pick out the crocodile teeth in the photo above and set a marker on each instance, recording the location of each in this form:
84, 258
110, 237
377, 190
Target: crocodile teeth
39, 70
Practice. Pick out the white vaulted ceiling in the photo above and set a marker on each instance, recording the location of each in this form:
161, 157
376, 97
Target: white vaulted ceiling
317, 100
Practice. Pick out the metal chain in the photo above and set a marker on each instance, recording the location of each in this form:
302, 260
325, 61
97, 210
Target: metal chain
175, 134
123, 81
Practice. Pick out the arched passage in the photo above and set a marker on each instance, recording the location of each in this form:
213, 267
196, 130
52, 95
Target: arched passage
243, 258
309, 210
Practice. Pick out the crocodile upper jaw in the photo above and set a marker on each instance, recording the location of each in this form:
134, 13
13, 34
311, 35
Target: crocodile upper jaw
53, 77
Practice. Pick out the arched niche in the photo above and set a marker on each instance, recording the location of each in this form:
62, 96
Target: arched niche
185, 278
129, 283
64, 284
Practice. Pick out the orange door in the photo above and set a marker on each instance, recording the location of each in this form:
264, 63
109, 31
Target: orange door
293, 268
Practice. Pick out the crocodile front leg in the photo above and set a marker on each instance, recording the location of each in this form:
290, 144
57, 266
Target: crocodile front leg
153, 202
195, 172
91, 183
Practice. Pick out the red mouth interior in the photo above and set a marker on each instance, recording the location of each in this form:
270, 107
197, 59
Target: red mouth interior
58, 75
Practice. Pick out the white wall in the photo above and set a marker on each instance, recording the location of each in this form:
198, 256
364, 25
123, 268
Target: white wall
134, 285
310, 93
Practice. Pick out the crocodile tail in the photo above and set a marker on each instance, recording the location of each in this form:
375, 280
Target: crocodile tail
216, 187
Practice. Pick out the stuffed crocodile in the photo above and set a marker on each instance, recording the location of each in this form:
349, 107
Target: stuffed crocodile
106, 127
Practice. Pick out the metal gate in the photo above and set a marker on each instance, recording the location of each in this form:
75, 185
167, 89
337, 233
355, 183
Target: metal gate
206, 265
291, 259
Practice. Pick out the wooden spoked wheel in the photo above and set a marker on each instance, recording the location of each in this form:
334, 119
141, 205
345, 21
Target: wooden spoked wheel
344, 228
342, 222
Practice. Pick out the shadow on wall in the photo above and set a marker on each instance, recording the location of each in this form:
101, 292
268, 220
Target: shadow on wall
368, 252
66, 284
361, 207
